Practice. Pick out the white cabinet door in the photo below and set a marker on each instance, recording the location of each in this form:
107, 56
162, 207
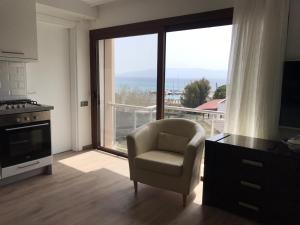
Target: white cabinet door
18, 35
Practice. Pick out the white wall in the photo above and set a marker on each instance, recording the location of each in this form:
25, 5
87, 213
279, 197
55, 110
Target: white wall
12, 80
131, 11
83, 81
48, 81
76, 7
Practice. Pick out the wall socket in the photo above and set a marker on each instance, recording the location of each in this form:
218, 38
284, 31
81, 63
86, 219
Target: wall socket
84, 103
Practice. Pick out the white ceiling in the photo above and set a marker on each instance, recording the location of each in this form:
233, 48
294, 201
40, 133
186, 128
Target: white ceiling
97, 2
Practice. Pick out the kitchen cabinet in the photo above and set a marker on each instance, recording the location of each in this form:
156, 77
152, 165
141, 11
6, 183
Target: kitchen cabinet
18, 32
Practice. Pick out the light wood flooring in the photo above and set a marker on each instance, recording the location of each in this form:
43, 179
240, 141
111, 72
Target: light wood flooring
93, 188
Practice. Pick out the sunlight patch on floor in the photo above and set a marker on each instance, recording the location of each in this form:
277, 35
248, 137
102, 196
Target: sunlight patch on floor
95, 160
91, 161
199, 188
198, 191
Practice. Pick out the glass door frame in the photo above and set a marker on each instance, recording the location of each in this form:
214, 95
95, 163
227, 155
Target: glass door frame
160, 27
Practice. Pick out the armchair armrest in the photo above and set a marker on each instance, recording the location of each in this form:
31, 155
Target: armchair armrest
141, 140
192, 160
194, 146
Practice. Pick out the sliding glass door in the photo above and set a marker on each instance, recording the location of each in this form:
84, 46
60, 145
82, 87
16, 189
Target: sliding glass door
128, 81
168, 68
196, 76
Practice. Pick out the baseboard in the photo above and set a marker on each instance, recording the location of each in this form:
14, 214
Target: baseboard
87, 147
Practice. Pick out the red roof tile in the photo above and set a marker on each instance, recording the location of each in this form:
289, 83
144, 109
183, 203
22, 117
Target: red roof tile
212, 105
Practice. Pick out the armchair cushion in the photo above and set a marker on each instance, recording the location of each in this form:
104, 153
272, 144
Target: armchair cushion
171, 142
163, 162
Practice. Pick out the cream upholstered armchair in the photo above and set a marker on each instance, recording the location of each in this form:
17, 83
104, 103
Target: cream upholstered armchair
167, 154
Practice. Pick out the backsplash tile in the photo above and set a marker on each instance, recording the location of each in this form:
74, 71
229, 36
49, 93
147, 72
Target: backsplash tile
12, 80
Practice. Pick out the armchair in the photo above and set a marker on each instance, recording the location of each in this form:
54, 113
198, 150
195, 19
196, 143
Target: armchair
167, 154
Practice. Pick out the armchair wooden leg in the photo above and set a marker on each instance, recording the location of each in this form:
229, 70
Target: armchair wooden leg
135, 187
184, 200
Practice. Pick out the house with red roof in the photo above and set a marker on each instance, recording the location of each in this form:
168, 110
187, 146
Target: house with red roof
216, 105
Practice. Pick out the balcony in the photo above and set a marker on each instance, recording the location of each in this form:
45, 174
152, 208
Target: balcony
127, 118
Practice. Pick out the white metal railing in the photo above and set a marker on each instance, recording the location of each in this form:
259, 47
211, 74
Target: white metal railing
211, 117
214, 114
136, 110
148, 109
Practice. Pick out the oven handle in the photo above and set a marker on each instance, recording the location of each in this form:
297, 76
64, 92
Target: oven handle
32, 164
26, 127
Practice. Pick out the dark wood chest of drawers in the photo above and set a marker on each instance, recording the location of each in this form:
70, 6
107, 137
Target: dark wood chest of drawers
256, 178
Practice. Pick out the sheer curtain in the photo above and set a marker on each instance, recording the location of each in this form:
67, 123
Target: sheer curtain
255, 69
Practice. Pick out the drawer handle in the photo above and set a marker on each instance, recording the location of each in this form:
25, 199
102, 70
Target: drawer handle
35, 163
252, 163
249, 206
250, 185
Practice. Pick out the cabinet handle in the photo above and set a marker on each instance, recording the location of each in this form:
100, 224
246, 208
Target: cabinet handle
249, 206
250, 185
16, 53
252, 163
35, 163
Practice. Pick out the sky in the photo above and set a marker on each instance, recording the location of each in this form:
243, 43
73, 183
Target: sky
206, 48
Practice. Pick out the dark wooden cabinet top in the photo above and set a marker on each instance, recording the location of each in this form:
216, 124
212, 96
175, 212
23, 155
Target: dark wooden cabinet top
256, 144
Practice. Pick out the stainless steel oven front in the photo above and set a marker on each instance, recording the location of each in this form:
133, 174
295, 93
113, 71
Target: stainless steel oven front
24, 137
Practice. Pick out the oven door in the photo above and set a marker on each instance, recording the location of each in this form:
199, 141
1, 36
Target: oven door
25, 142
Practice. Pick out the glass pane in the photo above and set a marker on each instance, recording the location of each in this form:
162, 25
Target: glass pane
196, 74
128, 84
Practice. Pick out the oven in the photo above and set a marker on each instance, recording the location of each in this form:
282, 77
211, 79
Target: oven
24, 137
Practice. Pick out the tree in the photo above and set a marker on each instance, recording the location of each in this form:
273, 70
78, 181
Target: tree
220, 93
195, 93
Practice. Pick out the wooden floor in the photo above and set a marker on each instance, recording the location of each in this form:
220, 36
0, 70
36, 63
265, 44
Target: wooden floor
92, 187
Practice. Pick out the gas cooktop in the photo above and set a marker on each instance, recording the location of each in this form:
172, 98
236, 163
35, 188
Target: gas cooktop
17, 104
20, 106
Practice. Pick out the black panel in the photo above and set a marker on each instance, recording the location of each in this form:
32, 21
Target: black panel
24, 142
290, 100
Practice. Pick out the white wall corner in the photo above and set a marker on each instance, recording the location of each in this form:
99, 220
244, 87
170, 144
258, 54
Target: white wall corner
78, 27
74, 90
74, 9
53, 20
83, 79
80, 85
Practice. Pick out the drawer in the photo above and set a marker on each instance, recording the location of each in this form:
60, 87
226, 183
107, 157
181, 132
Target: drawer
249, 209
25, 167
254, 195
253, 166
250, 200
252, 161
252, 174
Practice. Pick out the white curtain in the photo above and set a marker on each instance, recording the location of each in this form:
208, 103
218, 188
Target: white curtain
255, 68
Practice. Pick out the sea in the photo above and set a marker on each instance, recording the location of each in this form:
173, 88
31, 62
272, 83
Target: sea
171, 84
176, 80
